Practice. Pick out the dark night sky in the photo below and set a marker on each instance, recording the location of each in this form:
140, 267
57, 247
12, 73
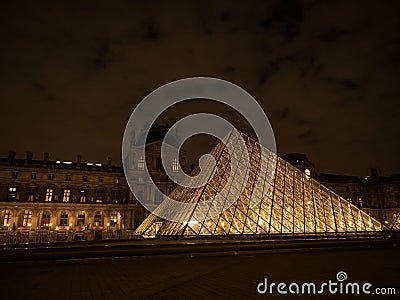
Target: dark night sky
326, 73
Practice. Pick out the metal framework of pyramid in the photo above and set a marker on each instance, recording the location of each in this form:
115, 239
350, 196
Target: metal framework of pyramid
290, 201
396, 222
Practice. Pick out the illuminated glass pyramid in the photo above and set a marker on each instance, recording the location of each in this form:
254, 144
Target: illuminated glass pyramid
289, 201
396, 222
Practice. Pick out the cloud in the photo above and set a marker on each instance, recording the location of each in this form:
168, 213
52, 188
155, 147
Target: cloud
103, 55
349, 84
311, 67
272, 67
287, 16
151, 33
285, 113
308, 136
332, 34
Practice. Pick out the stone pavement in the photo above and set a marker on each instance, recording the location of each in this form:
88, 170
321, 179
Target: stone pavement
198, 276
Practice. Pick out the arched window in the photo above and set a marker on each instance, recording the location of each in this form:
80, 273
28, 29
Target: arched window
114, 218
45, 223
98, 219
26, 218
7, 218
64, 218
81, 219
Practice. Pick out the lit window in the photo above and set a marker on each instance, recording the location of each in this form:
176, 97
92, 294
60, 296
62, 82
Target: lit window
82, 196
33, 176
64, 218
49, 195
141, 163
99, 197
350, 200
7, 218
66, 195
175, 165
98, 219
30, 194
45, 220
308, 172
12, 193
81, 219
116, 180
26, 221
114, 218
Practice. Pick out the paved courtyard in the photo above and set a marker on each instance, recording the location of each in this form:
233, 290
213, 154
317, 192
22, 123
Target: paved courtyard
199, 276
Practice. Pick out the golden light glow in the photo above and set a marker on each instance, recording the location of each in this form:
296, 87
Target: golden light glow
396, 222
291, 202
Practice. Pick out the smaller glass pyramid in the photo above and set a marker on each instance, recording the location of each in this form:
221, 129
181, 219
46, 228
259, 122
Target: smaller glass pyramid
396, 221
277, 198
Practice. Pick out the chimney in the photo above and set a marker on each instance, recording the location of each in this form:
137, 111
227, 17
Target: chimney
46, 157
109, 162
78, 160
29, 156
11, 155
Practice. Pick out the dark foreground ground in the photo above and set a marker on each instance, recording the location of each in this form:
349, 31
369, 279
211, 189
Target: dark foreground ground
208, 275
